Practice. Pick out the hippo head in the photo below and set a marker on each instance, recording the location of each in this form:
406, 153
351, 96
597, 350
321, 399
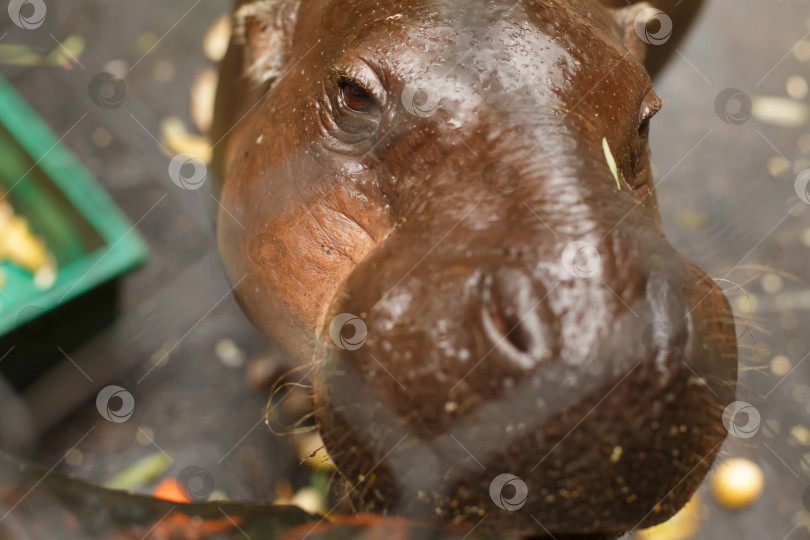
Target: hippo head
446, 210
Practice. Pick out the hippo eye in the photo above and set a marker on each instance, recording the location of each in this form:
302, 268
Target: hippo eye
355, 96
639, 153
650, 105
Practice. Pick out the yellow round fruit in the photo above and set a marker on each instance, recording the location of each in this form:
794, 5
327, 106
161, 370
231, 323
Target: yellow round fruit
737, 483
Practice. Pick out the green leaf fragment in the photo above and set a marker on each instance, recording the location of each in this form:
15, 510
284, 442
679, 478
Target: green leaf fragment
611, 161
140, 473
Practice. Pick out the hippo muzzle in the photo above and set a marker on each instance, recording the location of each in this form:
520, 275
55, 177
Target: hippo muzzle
447, 211
594, 380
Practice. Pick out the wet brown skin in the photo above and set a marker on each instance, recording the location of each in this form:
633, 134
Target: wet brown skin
492, 344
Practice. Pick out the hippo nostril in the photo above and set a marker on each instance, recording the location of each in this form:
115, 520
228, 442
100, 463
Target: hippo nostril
508, 324
515, 317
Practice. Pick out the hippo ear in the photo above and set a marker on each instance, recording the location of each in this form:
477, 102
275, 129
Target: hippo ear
642, 25
264, 28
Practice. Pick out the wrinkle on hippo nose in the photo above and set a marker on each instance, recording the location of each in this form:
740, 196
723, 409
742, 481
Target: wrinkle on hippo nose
515, 317
667, 337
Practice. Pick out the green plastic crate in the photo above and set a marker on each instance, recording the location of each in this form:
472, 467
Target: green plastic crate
92, 240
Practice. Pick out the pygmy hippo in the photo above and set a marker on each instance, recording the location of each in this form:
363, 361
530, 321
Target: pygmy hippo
445, 212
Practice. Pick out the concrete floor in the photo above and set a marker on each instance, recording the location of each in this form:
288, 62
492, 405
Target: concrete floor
726, 192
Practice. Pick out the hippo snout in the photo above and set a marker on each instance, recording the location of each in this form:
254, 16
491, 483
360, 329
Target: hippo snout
597, 393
